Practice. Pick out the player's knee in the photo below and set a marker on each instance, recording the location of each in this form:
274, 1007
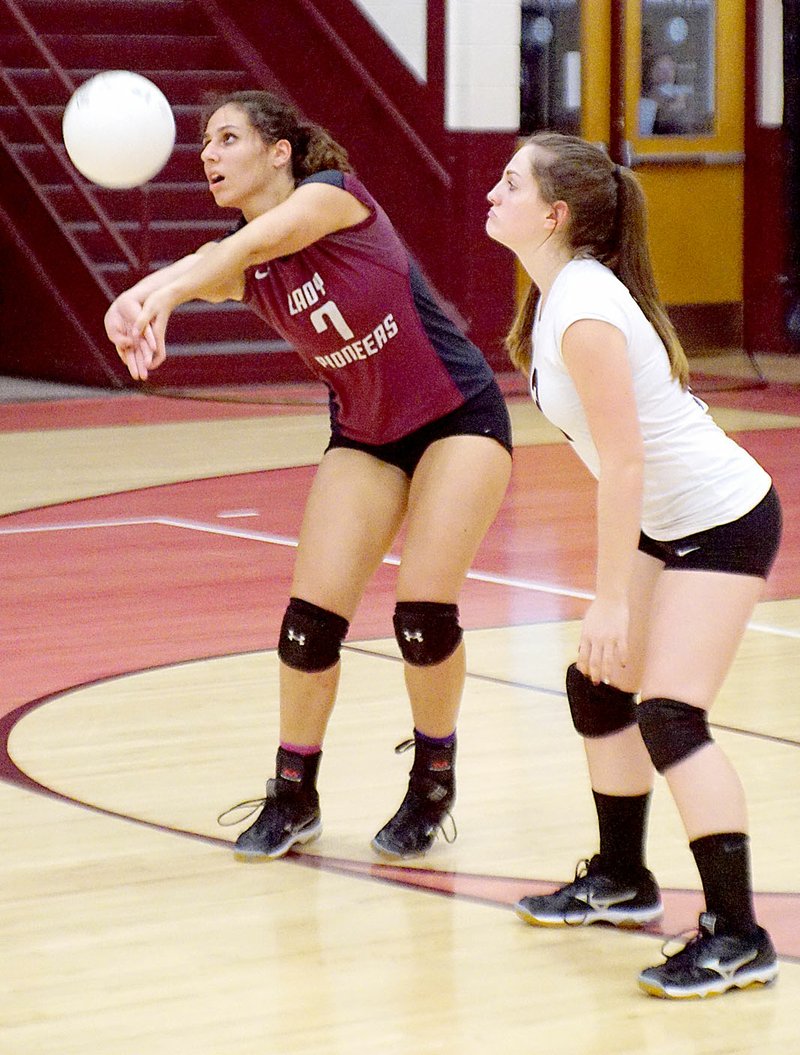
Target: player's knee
671, 730
598, 710
311, 637
426, 631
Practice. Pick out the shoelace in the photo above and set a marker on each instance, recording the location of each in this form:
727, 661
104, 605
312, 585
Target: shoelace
706, 928
448, 836
581, 869
233, 815
250, 805
449, 831
683, 941
581, 872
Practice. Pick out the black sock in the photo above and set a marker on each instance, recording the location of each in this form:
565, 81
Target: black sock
434, 763
296, 772
622, 820
723, 861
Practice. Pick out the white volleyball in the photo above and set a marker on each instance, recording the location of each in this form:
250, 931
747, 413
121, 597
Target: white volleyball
119, 129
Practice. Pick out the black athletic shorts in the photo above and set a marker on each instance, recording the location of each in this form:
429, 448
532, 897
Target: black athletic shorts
747, 546
486, 414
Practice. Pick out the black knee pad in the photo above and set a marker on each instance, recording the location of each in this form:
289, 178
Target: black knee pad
311, 637
598, 710
671, 730
426, 631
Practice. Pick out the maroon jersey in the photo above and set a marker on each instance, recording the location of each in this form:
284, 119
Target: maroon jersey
357, 310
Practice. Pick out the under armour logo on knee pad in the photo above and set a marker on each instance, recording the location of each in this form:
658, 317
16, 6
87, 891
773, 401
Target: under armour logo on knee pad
311, 637
416, 636
426, 631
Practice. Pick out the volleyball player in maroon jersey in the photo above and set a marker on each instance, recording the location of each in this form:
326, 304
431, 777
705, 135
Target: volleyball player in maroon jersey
419, 432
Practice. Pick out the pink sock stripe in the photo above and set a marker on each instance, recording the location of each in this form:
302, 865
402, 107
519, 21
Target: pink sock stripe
302, 749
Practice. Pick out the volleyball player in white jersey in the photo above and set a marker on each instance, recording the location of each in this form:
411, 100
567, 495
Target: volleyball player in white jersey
688, 526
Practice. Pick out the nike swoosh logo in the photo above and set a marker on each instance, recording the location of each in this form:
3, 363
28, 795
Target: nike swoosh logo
684, 551
262, 274
599, 904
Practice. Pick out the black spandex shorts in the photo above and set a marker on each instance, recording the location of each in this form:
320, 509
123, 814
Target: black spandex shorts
747, 546
484, 415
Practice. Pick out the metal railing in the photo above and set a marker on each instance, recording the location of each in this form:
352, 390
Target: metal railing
235, 39
135, 260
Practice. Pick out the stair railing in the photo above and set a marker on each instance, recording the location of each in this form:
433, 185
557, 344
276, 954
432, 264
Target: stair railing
133, 259
427, 157
88, 340
255, 65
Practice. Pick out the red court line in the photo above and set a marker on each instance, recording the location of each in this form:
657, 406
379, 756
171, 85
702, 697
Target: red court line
779, 912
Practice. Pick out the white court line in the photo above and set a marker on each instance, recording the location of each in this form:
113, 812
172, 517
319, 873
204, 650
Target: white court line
773, 630
280, 540
283, 540
520, 584
188, 525
233, 514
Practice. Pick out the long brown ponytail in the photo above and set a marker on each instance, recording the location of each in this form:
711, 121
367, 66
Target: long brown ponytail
313, 148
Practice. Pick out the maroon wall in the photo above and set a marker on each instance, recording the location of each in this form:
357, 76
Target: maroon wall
44, 337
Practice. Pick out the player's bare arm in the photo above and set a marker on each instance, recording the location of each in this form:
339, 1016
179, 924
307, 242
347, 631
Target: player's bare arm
596, 356
133, 346
308, 214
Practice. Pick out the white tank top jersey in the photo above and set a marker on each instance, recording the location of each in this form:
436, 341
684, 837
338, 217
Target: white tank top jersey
695, 477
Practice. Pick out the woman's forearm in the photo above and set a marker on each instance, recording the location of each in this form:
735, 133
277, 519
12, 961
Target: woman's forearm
619, 507
214, 275
164, 275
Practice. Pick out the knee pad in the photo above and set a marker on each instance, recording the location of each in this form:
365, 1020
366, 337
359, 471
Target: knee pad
598, 710
426, 631
311, 637
671, 730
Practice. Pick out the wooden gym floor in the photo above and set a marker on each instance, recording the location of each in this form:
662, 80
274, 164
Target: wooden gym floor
147, 546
